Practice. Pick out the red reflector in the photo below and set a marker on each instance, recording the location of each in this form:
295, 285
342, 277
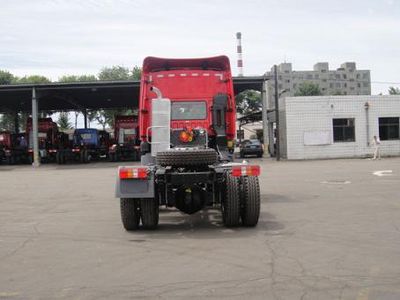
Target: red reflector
133, 173
246, 171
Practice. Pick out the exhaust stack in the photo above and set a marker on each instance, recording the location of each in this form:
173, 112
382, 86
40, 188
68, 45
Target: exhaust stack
239, 53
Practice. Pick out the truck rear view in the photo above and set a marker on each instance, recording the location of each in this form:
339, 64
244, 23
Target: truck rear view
187, 125
126, 139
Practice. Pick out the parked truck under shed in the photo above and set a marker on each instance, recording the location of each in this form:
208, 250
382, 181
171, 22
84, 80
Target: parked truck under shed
126, 144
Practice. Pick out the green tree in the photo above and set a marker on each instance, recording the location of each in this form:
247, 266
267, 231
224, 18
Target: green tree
248, 102
308, 89
77, 78
114, 73
136, 73
394, 91
6, 77
63, 121
33, 79
7, 122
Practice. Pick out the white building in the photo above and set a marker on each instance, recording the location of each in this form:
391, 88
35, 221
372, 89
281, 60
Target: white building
346, 80
338, 126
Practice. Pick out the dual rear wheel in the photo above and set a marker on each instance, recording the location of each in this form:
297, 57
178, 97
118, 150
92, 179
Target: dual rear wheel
135, 210
240, 201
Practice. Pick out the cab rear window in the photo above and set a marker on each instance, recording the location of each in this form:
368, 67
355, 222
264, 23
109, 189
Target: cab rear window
187, 110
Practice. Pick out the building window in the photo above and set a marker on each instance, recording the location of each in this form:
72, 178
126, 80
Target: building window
338, 84
359, 85
343, 130
331, 85
365, 75
316, 76
344, 76
337, 76
389, 128
309, 76
365, 84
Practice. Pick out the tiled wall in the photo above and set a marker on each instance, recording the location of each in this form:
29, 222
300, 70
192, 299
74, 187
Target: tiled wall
302, 114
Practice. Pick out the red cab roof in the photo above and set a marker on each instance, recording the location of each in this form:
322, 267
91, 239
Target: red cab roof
155, 64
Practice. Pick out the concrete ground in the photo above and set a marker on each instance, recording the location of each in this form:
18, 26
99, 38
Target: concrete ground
328, 230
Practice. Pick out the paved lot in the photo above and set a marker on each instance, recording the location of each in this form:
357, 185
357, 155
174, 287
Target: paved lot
328, 230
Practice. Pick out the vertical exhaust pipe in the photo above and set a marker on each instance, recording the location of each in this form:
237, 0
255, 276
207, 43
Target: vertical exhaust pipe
156, 91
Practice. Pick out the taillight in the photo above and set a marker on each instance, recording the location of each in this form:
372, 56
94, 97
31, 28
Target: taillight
249, 170
186, 136
133, 173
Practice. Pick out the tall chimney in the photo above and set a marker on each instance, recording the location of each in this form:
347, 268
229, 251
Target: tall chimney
239, 53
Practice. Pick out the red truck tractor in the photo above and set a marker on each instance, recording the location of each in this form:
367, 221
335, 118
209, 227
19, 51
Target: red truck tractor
187, 121
126, 145
50, 139
13, 148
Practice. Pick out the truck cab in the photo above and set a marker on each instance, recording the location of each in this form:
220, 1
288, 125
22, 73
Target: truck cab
48, 136
201, 96
90, 143
126, 144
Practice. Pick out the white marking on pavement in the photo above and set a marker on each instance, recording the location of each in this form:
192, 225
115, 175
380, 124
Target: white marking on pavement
336, 182
383, 173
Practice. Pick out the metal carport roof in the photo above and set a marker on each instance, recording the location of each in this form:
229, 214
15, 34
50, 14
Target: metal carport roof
88, 95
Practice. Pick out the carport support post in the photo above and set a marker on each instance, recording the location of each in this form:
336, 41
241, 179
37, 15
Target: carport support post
85, 118
264, 116
35, 135
278, 150
16, 122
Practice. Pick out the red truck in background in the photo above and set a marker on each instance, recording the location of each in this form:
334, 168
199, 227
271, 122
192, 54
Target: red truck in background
126, 144
187, 120
13, 148
49, 138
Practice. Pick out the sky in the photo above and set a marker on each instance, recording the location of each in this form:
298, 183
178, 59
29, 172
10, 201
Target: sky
59, 37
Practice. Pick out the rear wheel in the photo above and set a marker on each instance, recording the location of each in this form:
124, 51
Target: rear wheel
84, 156
111, 157
231, 201
60, 158
149, 212
11, 160
250, 204
130, 215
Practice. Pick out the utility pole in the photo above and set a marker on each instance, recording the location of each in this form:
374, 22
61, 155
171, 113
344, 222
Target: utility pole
278, 151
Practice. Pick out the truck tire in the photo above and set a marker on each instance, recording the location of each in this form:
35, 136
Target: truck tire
250, 208
149, 213
11, 160
188, 157
84, 158
60, 158
231, 201
130, 215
